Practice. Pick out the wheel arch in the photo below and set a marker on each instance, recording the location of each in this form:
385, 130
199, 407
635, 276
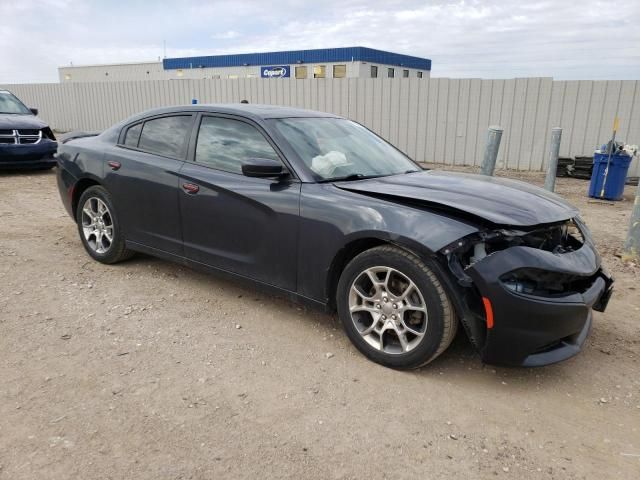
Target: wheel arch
354, 248
471, 318
80, 187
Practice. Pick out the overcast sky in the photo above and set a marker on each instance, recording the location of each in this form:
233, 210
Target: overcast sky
577, 39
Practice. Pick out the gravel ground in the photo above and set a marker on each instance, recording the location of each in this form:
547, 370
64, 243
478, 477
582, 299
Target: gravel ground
148, 370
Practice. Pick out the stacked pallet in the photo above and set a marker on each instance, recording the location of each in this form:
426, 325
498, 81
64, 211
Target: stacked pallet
581, 167
563, 163
578, 167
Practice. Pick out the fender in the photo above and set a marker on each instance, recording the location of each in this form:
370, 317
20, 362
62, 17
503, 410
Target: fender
329, 229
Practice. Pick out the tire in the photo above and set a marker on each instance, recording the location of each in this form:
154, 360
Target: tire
400, 333
95, 229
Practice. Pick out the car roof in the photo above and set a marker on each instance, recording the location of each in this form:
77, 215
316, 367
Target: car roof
249, 110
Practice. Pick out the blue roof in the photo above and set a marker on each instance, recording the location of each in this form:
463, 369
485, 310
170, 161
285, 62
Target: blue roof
345, 54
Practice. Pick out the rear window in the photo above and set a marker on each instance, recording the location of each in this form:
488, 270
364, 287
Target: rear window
165, 136
133, 135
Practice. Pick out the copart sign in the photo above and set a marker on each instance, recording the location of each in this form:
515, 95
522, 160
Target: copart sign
280, 71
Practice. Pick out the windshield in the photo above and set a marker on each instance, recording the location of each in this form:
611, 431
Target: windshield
335, 148
10, 104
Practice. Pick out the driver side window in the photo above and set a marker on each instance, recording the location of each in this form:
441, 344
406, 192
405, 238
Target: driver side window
224, 144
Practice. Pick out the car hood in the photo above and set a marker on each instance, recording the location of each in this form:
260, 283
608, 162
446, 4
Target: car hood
500, 201
14, 122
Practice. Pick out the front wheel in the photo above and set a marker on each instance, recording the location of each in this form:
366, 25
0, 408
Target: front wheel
98, 227
394, 309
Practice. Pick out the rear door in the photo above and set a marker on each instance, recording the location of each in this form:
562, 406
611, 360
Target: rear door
248, 226
142, 175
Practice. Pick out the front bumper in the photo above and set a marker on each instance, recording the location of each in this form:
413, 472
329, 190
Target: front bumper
535, 330
28, 156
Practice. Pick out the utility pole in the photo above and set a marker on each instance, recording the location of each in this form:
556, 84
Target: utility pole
552, 164
491, 151
632, 245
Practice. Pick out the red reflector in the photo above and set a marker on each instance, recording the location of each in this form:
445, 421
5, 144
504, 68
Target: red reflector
489, 311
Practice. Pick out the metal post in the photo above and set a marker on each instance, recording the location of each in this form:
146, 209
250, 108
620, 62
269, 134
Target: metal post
491, 151
632, 245
552, 164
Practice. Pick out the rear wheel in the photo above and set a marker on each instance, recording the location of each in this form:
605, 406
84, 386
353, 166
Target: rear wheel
99, 228
394, 309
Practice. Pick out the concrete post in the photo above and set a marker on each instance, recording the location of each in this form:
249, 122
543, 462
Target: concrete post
491, 151
632, 245
552, 163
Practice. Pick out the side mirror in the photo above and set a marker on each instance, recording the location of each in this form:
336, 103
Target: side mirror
34, 111
262, 167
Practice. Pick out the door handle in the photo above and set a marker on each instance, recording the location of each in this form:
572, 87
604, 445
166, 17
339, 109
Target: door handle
114, 165
190, 188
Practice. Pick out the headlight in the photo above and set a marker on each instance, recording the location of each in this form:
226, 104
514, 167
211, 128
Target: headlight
583, 229
542, 283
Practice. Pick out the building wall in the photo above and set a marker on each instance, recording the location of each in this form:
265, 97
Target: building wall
155, 71
365, 71
437, 120
112, 73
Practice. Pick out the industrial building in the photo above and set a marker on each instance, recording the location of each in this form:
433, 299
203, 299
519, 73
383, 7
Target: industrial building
348, 62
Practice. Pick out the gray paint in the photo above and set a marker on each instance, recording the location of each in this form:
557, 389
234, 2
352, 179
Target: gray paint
632, 244
491, 151
552, 164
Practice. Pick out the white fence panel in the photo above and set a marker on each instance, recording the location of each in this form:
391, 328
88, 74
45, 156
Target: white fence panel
437, 120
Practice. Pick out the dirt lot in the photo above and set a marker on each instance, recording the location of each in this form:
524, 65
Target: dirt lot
148, 370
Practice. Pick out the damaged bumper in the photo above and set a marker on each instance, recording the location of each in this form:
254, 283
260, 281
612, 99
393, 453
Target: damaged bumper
527, 296
534, 326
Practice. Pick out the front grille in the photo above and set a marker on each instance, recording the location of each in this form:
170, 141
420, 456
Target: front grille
25, 133
20, 137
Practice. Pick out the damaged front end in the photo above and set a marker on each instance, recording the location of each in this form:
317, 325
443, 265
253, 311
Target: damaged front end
527, 293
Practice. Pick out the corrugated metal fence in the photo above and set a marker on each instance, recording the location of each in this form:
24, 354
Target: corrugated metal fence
437, 120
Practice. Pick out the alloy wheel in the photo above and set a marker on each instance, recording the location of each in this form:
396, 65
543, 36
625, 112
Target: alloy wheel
97, 225
388, 310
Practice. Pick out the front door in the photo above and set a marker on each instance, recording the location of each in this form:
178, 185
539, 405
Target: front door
248, 226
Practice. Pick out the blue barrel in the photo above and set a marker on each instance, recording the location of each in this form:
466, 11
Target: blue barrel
614, 186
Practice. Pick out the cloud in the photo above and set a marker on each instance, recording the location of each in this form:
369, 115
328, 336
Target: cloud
563, 39
230, 35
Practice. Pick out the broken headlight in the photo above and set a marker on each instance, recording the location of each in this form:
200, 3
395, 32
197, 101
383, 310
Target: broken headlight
557, 238
532, 281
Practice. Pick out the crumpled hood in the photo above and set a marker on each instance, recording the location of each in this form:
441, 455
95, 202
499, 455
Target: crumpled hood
498, 200
15, 122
